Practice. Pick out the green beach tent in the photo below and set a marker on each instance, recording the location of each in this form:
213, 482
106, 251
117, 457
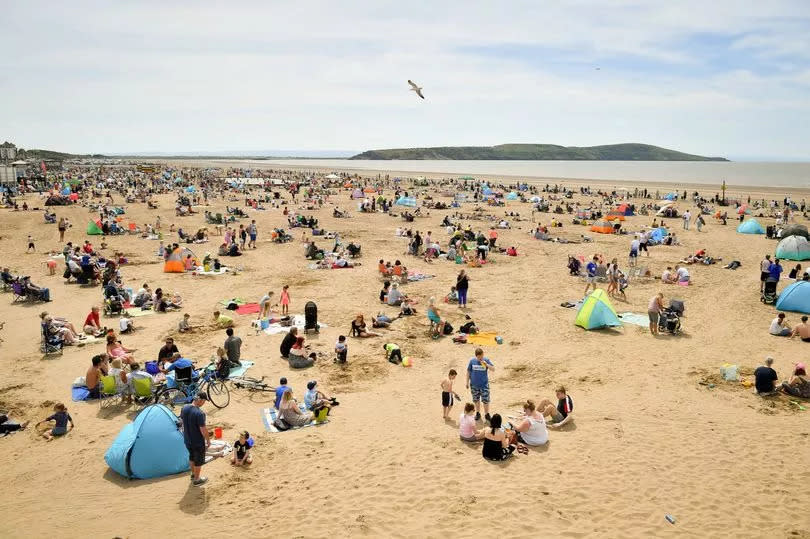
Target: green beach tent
597, 312
93, 229
793, 248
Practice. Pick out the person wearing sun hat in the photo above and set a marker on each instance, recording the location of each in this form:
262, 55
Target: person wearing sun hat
798, 384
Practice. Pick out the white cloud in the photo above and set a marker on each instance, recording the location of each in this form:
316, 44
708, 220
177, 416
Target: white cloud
90, 76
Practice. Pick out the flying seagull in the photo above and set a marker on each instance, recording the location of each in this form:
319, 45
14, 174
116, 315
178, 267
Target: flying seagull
415, 88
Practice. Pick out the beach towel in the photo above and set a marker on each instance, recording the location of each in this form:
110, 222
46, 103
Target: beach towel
418, 276
218, 448
275, 327
79, 393
641, 320
241, 370
248, 308
483, 338
269, 416
91, 340
222, 271
135, 313
238, 301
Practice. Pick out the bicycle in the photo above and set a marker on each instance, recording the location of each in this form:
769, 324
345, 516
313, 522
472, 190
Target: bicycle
184, 392
251, 384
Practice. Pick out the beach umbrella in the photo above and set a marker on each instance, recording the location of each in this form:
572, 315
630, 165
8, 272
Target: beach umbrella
602, 227
597, 312
793, 248
795, 298
751, 226
795, 230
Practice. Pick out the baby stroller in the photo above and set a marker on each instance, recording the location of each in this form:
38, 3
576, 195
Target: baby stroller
311, 317
769, 292
113, 306
669, 321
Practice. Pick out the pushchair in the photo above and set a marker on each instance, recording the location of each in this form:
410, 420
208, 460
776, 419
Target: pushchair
51, 344
113, 306
669, 321
769, 295
311, 317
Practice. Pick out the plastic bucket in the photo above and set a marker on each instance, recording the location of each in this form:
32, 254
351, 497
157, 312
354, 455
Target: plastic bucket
218, 433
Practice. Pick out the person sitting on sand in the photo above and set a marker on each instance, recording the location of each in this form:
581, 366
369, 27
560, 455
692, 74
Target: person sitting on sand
802, 330
798, 384
765, 378
452, 297
117, 350
562, 413
315, 400
796, 272
407, 308
93, 376
467, 430
288, 341
496, 442
290, 412
681, 274
394, 297
384, 292
434, 316
241, 450
359, 328
532, 429
61, 419
779, 327
222, 321
298, 355
92, 324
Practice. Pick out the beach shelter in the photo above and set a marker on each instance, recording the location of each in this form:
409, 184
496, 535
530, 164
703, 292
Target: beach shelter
66, 191
174, 264
511, 196
151, 446
793, 248
94, 228
750, 226
671, 196
625, 209
602, 226
743, 209
658, 234
795, 298
795, 230
597, 312
534, 199
614, 216
406, 201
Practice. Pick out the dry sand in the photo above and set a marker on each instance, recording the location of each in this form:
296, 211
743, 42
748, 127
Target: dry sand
648, 438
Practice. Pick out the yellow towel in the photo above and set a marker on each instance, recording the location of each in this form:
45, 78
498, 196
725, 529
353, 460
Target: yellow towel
486, 337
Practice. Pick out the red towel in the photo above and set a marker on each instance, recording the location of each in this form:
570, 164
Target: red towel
248, 308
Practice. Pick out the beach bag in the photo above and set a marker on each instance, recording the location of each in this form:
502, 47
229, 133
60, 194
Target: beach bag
280, 424
320, 415
152, 367
460, 339
448, 328
232, 306
285, 321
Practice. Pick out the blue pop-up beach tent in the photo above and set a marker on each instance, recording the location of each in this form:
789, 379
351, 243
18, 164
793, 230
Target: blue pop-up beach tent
750, 226
406, 201
597, 312
151, 446
795, 298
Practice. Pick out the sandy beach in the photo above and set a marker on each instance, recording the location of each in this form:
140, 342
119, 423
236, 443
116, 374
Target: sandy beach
657, 431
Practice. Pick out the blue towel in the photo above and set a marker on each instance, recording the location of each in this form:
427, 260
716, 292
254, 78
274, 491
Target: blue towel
80, 394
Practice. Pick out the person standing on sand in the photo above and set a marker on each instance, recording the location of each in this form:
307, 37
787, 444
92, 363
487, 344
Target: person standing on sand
590, 277
253, 231
478, 382
764, 268
462, 285
686, 217
195, 436
654, 311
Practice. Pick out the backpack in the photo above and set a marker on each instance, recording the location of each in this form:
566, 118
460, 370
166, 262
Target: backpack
448, 329
280, 424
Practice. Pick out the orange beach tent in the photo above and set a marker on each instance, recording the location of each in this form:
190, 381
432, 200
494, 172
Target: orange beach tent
603, 227
174, 264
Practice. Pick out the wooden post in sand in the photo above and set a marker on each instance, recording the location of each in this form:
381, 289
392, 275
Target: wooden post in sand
724, 192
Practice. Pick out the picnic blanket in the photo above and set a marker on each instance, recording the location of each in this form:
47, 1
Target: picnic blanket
89, 339
238, 301
641, 320
222, 271
275, 327
269, 416
79, 394
240, 371
135, 313
483, 338
414, 275
248, 308
218, 448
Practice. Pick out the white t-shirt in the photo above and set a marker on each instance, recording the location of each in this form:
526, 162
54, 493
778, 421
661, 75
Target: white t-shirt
537, 433
634, 245
765, 265
666, 276
466, 426
265, 299
683, 274
776, 328
124, 323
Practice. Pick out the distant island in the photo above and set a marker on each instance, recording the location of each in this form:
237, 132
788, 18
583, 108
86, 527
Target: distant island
537, 152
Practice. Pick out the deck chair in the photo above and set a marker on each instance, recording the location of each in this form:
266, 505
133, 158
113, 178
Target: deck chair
142, 391
51, 344
108, 391
19, 292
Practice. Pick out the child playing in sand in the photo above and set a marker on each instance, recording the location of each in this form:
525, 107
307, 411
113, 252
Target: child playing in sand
183, 326
285, 300
222, 321
392, 353
448, 394
341, 349
31, 246
241, 450
61, 418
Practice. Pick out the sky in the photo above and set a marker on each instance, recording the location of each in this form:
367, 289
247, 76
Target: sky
721, 78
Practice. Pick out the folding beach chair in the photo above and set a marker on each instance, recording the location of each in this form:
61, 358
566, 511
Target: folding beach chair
108, 392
